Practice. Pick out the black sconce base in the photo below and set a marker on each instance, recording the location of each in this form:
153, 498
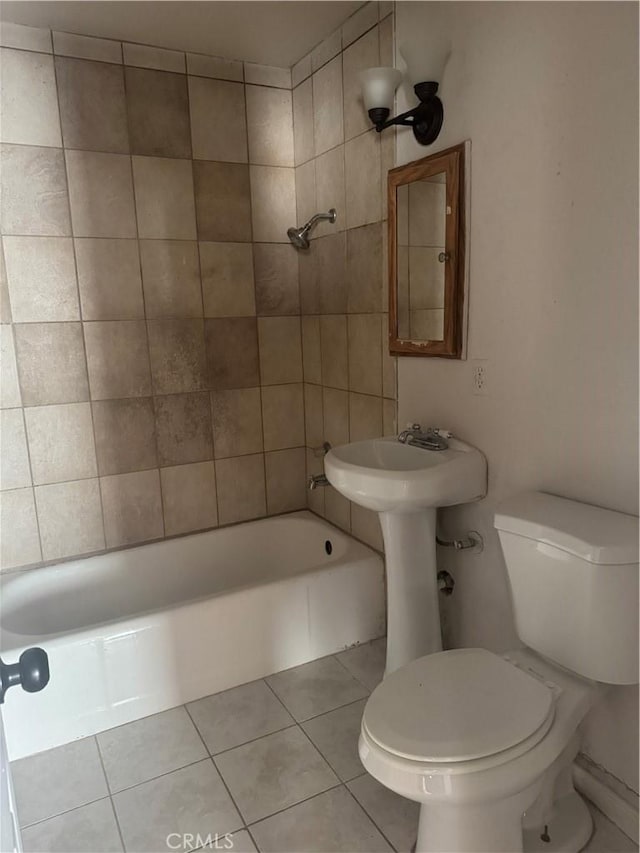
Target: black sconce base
425, 119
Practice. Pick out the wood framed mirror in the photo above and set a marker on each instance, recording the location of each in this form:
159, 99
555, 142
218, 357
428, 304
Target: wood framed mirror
427, 258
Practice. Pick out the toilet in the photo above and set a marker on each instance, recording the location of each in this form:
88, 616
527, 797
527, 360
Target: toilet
486, 742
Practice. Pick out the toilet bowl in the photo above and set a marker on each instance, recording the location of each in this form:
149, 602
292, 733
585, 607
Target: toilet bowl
497, 744
485, 742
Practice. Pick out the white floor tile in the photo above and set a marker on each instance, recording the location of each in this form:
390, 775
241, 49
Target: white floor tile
275, 772
192, 800
336, 736
58, 780
88, 828
395, 816
366, 662
315, 688
236, 716
146, 748
330, 823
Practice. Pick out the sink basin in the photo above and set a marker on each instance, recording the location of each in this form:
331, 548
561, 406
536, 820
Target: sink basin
385, 475
405, 484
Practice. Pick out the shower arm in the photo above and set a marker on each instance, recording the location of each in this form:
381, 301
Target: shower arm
318, 217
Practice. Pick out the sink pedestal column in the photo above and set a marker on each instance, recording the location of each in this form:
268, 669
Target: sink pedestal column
413, 614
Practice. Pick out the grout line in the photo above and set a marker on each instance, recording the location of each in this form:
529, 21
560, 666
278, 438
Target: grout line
371, 818
66, 811
293, 805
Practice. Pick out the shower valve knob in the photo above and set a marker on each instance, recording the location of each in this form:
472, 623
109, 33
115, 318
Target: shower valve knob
31, 671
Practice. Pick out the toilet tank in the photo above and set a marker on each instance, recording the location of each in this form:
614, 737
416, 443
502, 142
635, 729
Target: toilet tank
573, 571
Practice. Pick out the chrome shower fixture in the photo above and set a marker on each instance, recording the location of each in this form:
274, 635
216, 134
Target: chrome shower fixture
300, 236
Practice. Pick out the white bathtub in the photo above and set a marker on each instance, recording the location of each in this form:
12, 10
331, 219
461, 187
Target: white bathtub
135, 632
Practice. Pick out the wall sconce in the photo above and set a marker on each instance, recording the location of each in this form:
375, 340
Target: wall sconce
379, 86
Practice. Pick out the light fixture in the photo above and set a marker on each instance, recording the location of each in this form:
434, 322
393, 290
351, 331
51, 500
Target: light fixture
424, 63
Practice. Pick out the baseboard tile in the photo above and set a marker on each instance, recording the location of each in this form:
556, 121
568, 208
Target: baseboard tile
621, 810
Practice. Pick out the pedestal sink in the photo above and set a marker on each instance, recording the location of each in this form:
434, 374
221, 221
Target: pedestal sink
405, 484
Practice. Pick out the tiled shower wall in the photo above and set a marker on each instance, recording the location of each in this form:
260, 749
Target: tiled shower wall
341, 162
151, 346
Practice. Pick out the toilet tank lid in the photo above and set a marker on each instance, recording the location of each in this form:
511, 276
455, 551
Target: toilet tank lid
591, 533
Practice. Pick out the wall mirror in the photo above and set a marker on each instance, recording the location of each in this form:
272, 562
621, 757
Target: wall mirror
427, 259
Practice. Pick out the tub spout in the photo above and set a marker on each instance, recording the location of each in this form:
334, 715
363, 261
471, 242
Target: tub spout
316, 480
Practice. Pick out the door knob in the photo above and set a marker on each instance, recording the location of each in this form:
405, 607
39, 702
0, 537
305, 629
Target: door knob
31, 671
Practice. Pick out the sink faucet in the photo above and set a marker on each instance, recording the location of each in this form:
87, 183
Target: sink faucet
431, 439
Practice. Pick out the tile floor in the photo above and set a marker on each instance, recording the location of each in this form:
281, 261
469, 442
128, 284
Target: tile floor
273, 763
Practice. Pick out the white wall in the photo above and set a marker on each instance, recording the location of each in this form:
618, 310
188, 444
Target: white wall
548, 95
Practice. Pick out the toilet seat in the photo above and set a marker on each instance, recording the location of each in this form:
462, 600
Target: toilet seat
458, 706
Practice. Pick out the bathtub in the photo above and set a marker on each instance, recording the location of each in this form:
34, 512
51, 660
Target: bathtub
134, 632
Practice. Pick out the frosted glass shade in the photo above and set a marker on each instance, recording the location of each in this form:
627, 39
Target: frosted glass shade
425, 63
379, 86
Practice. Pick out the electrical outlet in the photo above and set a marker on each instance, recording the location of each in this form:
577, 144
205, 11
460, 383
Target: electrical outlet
479, 367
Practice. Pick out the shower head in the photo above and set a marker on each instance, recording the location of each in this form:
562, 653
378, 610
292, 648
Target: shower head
300, 236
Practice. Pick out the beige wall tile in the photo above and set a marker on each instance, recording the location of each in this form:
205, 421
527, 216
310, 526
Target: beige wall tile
330, 260
183, 428
61, 443
304, 148
326, 50
363, 54
9, 386
241, 488
132, 508
223, 202
218, 122
214, 66
385, 31
337, 509
306, 194
171, 278
273, 203
286, 487
94, 212
358, 23
328, 126
269, 126
117, 359
25, 38
227, 279
5, 306
426, 278
387, 162
313, 428
330, 190
336, 416
311, 357
178, 355
158, 110
426, 213
15, 472
28, 100
276, 279
267, 75
365, 269
426, 324
365, 417
389, 362
365, 525
362, 172
33, 192
308, 281
333, 342
164, 198
87, 47
19, 539
237, 422
280, 350
144, 56
232, 353
70, 519
283, 416
51, 363
301, 70
189, 498
365, 353
109, 279
92, 105
125, 435
389, 417
41, 274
